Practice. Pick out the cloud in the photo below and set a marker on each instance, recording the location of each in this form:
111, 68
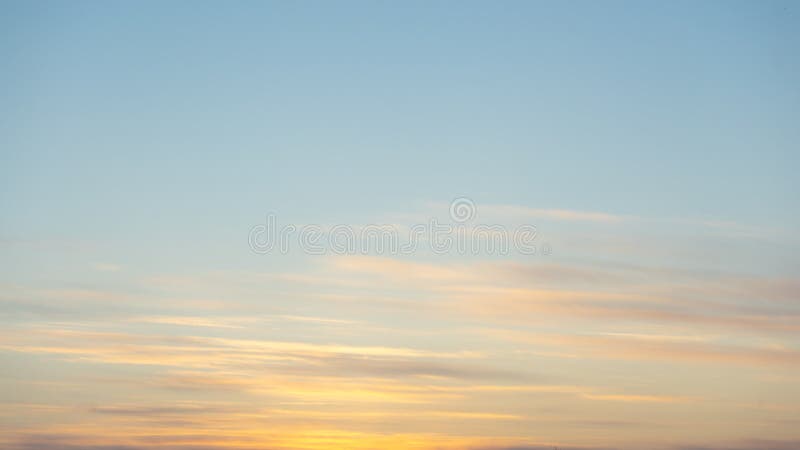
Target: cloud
224, 322
161, 411
293, 438
749, 444
197, 351
726, 228
633, 294
552, 214
106, 267
286, 437
659, 348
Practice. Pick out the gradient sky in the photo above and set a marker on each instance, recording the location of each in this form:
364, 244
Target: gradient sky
653, 145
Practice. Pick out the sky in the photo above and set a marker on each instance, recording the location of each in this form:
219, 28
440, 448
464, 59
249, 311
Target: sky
150, 152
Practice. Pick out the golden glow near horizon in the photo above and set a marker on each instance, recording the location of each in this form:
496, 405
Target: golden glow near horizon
420, 352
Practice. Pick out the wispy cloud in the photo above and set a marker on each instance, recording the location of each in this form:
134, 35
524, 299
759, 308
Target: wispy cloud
106, 267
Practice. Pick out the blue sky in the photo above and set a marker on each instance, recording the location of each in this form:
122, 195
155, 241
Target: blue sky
677, 109
654, 145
